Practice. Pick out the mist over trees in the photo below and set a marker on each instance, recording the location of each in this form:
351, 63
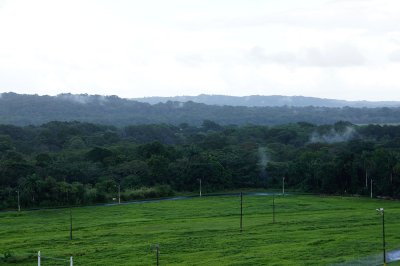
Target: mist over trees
79, 163
24, 110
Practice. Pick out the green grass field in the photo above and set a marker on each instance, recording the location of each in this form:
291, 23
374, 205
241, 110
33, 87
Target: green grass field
309, 230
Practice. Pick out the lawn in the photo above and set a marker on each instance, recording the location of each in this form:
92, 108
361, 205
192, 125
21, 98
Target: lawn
309, 230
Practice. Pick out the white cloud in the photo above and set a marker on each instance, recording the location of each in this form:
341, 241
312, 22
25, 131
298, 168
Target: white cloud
191, 60
332, 56
258, 55
336, 56
394, 56
340, 49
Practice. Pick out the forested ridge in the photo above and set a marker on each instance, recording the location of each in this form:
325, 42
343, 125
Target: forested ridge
19, 109
80, 163
267, 100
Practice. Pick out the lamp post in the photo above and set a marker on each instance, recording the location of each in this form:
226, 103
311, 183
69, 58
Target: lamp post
382, 213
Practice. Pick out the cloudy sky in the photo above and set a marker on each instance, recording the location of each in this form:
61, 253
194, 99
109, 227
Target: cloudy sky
344, 49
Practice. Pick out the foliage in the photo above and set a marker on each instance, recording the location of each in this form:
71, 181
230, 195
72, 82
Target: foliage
147, 192
62, 163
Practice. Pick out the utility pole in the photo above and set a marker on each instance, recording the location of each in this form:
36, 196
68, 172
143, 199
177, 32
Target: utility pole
200, 187
119, 193
70, 217
382, 212
158, 254
19, 205
366, 178
273, 208
70, 224
383, 237
283, 186
156, 247
241, 212
371, 187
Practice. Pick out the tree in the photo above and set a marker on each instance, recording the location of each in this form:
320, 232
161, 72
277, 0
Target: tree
30, 186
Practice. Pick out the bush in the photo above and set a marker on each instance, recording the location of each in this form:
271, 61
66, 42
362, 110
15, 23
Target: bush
94, 196
147, 192
10, 257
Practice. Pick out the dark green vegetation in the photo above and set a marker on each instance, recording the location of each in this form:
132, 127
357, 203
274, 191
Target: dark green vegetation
309, 230
62, 163
33, 109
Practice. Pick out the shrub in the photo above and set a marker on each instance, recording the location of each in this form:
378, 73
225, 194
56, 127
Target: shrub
147, 192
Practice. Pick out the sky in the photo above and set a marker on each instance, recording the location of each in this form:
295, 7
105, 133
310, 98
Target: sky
341, 49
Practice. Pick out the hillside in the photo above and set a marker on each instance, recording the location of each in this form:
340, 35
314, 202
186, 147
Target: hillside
17, 109
271, 100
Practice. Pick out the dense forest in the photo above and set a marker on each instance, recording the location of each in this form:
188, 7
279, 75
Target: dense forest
61, 163
24, 110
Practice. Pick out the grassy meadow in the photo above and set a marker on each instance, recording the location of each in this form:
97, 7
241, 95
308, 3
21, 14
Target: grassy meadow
309, 230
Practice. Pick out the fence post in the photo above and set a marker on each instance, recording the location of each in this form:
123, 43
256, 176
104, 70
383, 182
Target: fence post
71, 261
38, 258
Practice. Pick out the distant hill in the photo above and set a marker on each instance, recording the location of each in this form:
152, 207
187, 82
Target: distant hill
22, 109
272, 100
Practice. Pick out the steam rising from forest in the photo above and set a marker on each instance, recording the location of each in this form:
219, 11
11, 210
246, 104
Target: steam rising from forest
263, 160
334, 136
83, 98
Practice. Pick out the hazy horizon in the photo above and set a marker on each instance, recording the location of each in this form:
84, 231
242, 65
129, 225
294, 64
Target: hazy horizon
197, 95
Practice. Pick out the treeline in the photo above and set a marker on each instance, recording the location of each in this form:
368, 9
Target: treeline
23, 110
61, 163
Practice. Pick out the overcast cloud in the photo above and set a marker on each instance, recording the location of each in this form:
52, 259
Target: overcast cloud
344, 49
